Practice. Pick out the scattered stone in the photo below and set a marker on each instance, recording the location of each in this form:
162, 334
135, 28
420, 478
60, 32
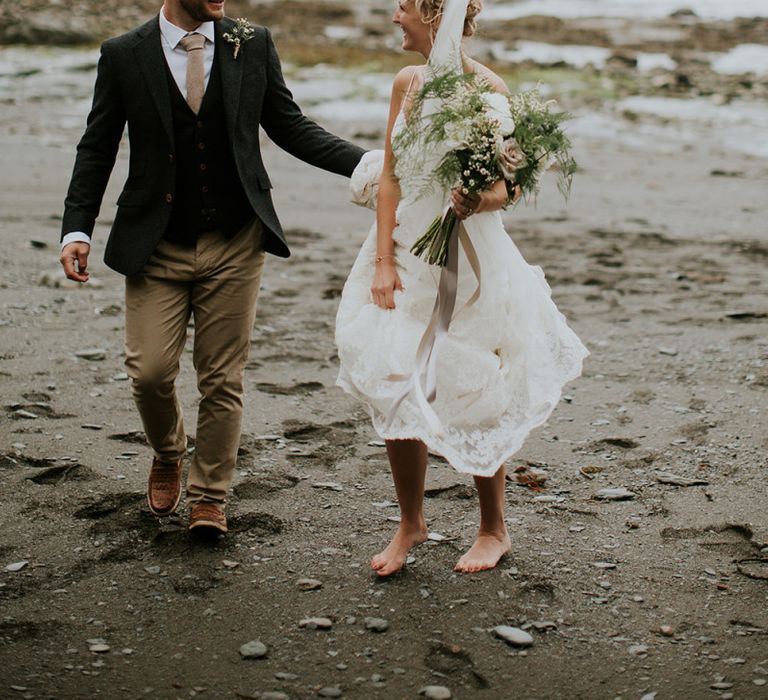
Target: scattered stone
604, 565
672, 352
154, 570
667, 630
230, 564
330, 692
92, 426
376, 624
436, 537
649, 696
21, 413
513, 635
285, 676
329, 485
638, 650
316, 623
272, 695
308, 584
99, 648
615, 494
253, 650
721, 685
544, 625
760, 681
92, 354
436, 692
675, 480
16, 566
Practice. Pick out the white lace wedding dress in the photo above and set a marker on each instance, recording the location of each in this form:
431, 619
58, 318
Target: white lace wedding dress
502, 366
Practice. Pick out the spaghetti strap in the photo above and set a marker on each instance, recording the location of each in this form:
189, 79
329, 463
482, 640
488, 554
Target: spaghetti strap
407, 99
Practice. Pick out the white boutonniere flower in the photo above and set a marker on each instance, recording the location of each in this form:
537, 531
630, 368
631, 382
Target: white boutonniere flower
241, 32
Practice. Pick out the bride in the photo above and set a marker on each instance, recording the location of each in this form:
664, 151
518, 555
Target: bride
500, 368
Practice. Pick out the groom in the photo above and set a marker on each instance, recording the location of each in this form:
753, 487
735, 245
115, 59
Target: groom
193, 222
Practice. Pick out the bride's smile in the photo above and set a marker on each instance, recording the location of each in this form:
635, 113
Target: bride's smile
417, 34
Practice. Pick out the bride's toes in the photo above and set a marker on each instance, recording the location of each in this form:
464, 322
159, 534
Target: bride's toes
484, 554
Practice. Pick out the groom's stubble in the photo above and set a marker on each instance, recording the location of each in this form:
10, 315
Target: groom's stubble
189, 14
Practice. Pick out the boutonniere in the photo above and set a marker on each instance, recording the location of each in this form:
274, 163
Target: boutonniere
241, 32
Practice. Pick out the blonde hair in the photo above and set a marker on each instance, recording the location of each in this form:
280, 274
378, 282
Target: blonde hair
432, 10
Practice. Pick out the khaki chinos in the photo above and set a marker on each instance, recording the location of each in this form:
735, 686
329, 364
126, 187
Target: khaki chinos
216, 282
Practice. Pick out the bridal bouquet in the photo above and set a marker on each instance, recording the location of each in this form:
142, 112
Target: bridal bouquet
487, 136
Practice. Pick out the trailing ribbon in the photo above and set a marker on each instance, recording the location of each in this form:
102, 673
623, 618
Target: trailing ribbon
437, 330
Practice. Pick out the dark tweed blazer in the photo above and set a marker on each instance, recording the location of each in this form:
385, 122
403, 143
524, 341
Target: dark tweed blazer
132, 87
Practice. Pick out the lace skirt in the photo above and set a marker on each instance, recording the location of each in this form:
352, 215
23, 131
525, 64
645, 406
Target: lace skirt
501, 368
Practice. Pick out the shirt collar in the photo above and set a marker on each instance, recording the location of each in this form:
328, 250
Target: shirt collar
173, 34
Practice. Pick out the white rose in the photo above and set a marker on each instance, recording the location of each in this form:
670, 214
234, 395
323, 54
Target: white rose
498, 110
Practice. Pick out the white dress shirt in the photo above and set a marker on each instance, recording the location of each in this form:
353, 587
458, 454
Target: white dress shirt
176, 58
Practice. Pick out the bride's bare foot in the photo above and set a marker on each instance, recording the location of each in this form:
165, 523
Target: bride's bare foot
392, 559
485, 553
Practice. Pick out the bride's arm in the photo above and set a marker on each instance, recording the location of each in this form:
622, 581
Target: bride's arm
385, 279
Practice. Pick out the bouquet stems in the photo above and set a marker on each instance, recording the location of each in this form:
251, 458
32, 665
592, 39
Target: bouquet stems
432, 247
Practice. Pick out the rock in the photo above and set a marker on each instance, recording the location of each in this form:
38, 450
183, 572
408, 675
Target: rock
21, 413
154, 570
675, 480
272, 695
308, 584
316, 623
253, 650
16, 566
53, 29
544, 625
436, 692
649, 696
329, 485
667, 630
99, 648
513, 635
604, 565
284, 676
376, 624
638, 650
92, 354
668, 351
229, 564
615, 494
436, 537
760, 681
330, 692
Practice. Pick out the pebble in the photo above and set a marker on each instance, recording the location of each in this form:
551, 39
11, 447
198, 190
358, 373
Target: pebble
230, 564
154, 570
668, 351
649, 696
638, 650
16, 566
513, 635
615, 494
436, 537
316, 623
253, 650
604, 565
92, 354
667, 630
759, 681
436, 692
99, 648
21, 413
721, 685
273, 695
330, 485
330, 692
285, 676
309, 584
676, 480
376, 624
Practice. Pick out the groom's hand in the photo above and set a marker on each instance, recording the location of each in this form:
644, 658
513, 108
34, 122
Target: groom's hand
74, 260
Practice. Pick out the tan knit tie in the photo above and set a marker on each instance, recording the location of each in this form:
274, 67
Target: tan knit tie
193, 45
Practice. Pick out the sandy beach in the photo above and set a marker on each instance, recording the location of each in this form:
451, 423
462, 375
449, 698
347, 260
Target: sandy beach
659, 263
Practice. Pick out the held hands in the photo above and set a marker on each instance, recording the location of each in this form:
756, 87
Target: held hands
385, 282
74, 260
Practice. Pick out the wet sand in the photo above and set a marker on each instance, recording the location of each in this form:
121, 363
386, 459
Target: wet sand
659, 263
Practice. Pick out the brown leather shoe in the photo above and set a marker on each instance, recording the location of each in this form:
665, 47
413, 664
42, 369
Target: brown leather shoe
164, 487
207, 519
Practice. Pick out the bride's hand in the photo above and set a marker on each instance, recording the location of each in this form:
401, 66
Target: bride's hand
467, 204
385, 282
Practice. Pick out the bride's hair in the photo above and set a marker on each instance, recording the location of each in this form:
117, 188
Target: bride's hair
432, 10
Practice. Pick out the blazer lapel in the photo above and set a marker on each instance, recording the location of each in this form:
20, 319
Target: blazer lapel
231, 74
149, 56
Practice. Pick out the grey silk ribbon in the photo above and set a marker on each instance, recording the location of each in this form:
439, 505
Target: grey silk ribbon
436, 331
